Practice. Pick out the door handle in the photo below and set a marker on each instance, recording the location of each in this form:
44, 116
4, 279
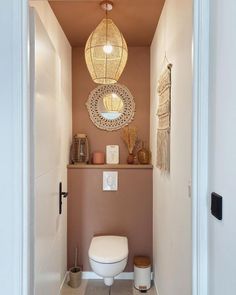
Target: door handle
61, 195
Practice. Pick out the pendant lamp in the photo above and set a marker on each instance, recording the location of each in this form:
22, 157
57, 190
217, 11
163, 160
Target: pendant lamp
106, 51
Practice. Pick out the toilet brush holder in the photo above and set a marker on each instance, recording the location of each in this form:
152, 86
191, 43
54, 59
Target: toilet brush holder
75, 273
75, 277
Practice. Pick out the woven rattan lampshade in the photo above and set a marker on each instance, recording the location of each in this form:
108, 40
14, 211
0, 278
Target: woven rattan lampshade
113, 103
106, 53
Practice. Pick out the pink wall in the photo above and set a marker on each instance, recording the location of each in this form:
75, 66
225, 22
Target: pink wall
136, 77
127, 211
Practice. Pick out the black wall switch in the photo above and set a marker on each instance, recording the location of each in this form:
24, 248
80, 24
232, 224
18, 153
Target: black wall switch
216, 205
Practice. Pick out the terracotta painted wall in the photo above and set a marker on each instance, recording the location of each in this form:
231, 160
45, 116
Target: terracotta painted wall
129, 210
136, 77
125, 212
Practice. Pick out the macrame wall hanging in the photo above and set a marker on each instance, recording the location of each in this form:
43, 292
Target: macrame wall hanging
164, 120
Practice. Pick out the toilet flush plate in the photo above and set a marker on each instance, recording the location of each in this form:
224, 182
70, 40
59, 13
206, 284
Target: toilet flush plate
110, 180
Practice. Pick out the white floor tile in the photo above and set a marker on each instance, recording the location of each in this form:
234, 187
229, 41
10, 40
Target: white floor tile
97, 287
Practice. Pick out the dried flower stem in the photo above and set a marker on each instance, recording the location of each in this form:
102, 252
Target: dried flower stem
129, 136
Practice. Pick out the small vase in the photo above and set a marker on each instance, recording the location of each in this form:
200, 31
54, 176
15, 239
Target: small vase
130, 159
143, 155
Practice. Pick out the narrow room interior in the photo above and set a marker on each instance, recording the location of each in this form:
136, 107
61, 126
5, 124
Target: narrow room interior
112, 139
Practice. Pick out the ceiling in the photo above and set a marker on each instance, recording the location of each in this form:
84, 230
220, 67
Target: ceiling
136, 19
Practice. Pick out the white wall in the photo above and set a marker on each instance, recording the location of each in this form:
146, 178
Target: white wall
222, 168
53, 129
172, 204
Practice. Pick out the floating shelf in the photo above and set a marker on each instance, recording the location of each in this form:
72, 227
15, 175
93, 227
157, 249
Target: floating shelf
109, 166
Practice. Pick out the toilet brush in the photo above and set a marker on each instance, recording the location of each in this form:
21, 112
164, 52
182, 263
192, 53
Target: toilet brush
75, 273
76, 257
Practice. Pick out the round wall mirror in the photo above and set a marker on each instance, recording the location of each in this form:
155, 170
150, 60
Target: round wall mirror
111, 107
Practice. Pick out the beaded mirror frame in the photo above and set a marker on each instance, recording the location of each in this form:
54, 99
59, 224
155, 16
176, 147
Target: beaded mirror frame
127, 114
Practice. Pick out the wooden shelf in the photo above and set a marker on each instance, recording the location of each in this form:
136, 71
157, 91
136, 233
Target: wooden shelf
109, 166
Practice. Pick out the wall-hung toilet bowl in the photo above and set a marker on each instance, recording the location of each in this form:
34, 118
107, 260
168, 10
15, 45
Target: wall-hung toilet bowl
108, 256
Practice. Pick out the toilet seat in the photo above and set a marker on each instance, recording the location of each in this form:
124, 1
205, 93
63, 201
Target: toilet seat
108, 249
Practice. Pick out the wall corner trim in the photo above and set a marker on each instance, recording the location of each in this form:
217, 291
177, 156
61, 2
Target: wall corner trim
65, 280
155, 286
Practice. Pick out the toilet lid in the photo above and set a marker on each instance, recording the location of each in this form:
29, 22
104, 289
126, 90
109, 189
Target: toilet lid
108, 249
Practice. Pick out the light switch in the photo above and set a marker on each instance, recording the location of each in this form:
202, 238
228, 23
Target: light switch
216, 205
110, 180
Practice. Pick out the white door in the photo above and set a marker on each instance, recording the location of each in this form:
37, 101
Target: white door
49, 168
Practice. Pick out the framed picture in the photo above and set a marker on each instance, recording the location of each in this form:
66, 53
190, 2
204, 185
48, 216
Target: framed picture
112, 154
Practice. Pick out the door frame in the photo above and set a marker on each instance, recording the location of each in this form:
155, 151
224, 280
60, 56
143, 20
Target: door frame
15, 107
23, 228
201, 22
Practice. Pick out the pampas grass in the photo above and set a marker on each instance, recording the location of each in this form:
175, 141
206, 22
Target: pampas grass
129, 136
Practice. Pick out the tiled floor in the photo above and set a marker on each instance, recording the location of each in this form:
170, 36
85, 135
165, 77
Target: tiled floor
97, 287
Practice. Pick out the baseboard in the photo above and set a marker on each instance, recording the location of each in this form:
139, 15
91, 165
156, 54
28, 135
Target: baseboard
89, 275
65, 279
155, 285
125, 276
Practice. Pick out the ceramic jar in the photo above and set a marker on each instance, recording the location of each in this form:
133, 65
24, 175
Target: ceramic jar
144, 155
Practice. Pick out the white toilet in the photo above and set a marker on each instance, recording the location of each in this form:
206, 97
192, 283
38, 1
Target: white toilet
108, 256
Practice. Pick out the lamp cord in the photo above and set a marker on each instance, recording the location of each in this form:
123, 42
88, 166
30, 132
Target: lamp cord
106, 37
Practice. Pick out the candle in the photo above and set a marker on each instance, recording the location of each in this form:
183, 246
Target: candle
98, 158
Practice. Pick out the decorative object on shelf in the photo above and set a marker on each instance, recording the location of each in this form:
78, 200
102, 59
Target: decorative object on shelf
112, 154
129, 136
137, 147
106, 51
164, 120
131, 159
144, 155
106, 119
98, 158
79, 152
